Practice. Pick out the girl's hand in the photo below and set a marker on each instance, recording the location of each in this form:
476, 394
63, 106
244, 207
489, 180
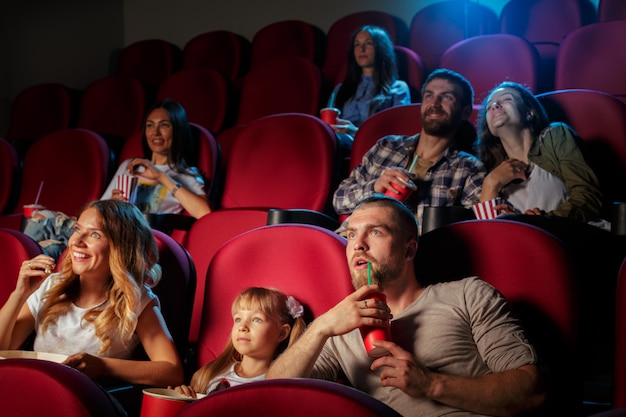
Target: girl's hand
185, 390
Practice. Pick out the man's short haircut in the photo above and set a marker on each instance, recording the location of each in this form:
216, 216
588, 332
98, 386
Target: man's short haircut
402, 215
456, 79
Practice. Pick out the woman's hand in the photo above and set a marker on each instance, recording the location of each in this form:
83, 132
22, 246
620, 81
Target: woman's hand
500, 176
345, 126
144, 168
32, 273
118, 195
534, 212
90, 365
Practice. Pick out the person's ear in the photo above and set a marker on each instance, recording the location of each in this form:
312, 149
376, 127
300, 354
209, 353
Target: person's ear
411, 250
285, 329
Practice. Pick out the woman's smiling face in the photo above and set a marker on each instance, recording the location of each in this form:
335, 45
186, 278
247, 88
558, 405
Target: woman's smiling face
503, 108
89, 246
159, 131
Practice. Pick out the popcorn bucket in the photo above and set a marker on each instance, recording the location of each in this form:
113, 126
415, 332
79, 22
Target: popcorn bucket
486, 210
127, 183
161, 402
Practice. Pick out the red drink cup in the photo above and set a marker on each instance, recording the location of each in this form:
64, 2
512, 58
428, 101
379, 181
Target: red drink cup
404, 192
371, 333
329, 115
29, 209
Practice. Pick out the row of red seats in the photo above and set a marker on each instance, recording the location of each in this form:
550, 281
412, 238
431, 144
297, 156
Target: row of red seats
269, 142
64, 392
267, 167
114, 106
309, 263
431, 31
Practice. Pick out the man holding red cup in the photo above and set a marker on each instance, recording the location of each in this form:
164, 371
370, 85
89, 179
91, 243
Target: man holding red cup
435, 365
428, 169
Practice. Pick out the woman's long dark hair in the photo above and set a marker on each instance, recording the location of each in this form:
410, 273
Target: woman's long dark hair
385, 70
489, 147
183, 152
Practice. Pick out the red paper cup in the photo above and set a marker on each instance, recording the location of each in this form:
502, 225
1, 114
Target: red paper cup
404, 192
329, 115
126, 183
371, 333
161, 402
486, 210
29, 209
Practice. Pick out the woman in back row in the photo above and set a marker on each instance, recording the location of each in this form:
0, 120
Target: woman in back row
539, 170
166, 183
536, 166
370, 84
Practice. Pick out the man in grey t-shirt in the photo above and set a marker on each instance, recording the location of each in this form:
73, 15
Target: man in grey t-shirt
457, 349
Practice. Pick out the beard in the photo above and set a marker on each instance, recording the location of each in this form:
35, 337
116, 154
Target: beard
382, 272
442, 127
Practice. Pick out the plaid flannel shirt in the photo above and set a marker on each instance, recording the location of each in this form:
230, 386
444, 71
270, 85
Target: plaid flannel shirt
454, 179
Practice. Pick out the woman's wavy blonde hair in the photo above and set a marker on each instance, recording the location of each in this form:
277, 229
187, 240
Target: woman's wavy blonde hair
271, 302
133, 256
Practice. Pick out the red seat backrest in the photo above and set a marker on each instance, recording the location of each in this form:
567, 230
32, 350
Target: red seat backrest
113, 106
288, 37
281, 161
176, 289
62, 391
611, 10
287, 84
9, 165
72, 164
436, 27
15, 248
150, 61
223, 50
488, 60
204, 93
302, 397
50, 104
594, 51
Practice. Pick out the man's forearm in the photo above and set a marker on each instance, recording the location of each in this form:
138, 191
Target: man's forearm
298, 360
